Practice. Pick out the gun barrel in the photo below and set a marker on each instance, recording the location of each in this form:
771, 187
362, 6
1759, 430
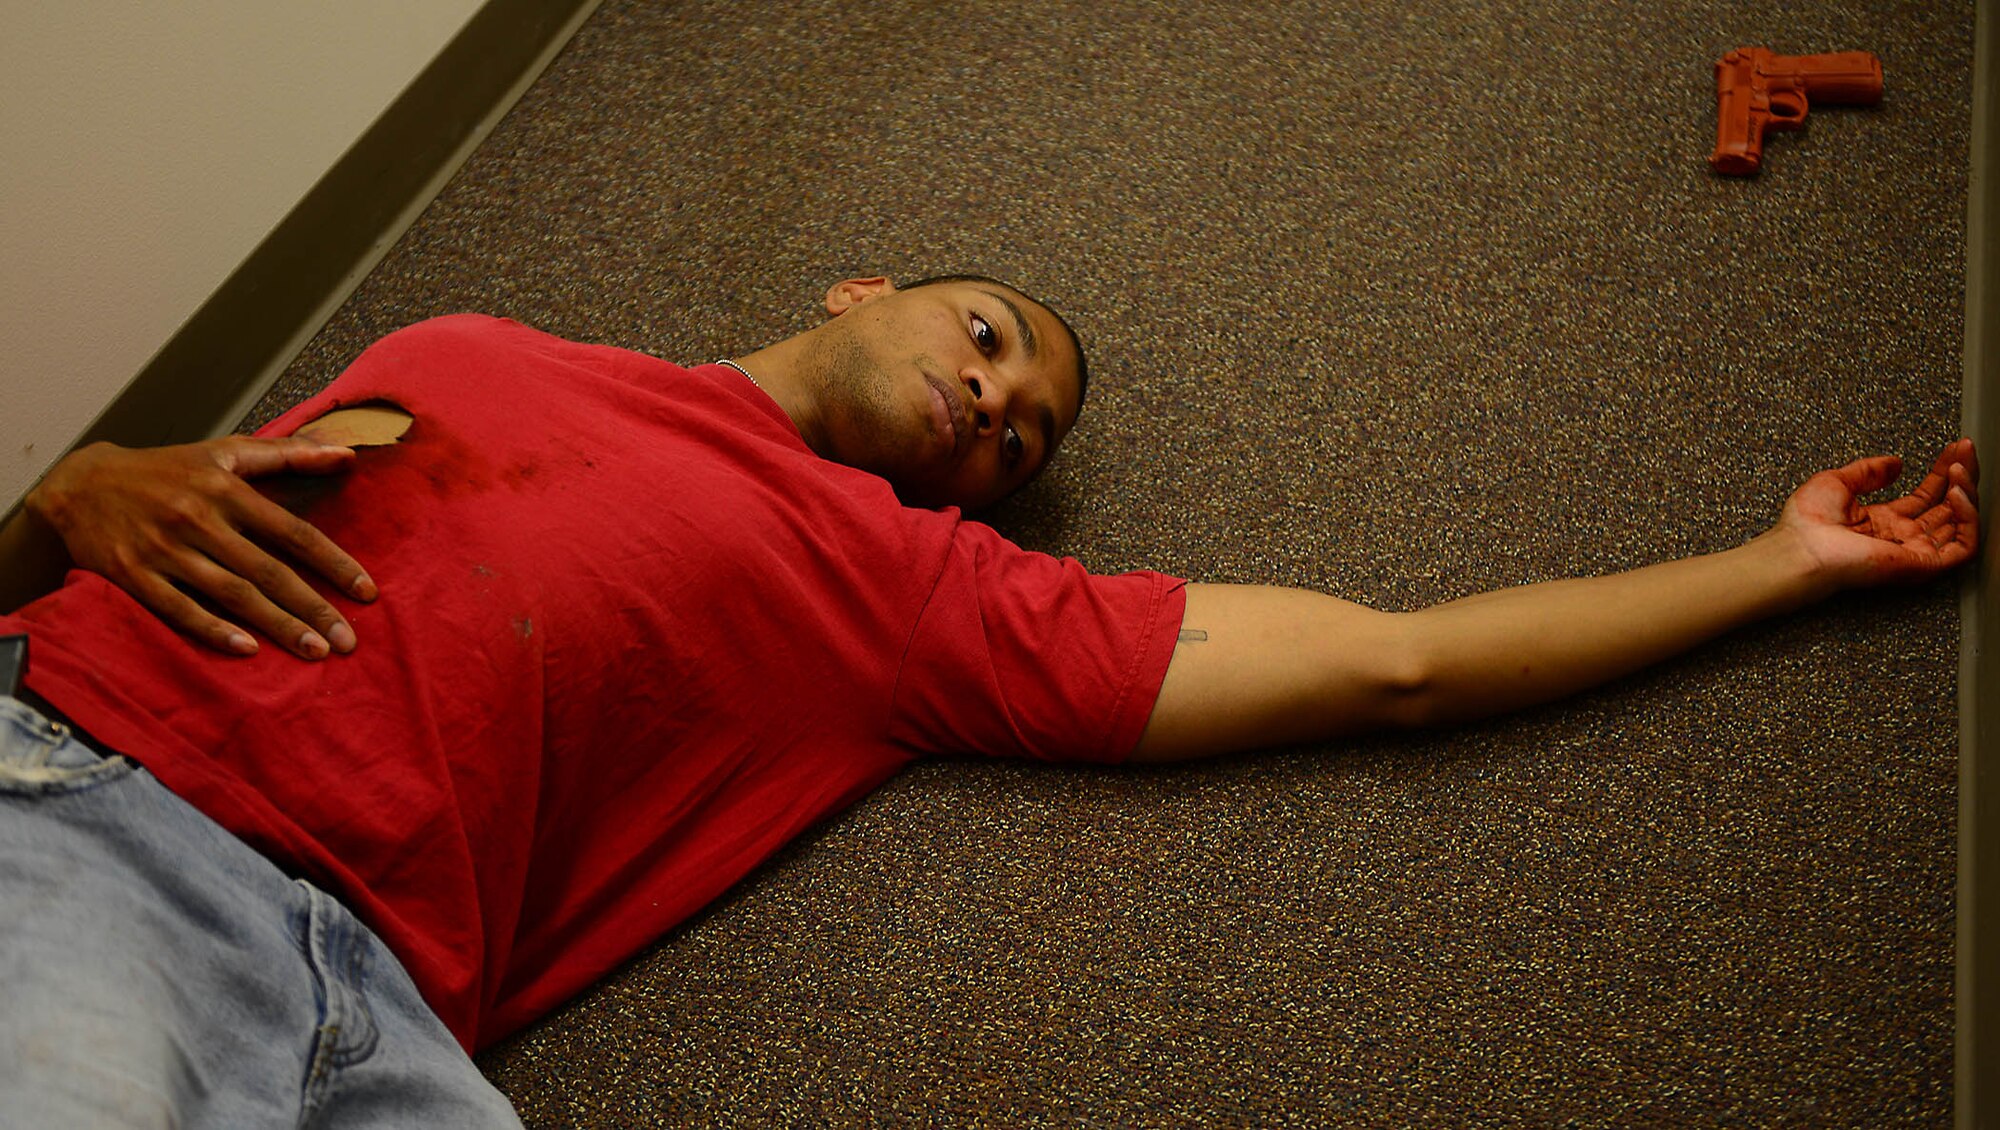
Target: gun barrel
1850, 78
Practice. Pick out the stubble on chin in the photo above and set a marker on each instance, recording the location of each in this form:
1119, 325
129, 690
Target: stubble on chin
859, 407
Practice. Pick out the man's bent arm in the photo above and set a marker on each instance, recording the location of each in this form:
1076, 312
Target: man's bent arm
1258, 667
173, 524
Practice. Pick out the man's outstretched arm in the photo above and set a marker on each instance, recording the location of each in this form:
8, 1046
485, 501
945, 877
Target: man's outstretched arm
1259, 667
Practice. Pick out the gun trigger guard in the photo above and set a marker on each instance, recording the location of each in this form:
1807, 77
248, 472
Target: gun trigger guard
1787, 105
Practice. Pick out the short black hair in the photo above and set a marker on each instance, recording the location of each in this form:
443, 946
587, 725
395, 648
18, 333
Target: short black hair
1075, 342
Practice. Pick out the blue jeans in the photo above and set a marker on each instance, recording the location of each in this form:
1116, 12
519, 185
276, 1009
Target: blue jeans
154, 970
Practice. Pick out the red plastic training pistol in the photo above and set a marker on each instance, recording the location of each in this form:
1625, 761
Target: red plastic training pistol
1757, 89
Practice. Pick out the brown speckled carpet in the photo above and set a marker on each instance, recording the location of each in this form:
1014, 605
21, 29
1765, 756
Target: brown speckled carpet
1401, 299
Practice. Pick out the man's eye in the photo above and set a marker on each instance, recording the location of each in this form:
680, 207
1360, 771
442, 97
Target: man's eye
1012, 446
984, 335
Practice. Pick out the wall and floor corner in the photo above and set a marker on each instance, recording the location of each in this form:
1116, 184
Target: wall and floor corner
218, 179
144, 153
1978, 992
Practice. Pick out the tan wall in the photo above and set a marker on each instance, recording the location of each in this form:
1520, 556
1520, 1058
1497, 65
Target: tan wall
145, 150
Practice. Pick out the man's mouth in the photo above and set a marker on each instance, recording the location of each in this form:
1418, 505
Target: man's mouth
948, 416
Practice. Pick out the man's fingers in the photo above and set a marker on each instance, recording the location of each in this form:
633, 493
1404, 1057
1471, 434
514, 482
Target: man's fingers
1966, 478
1928, 493
255, 455
183, 614
1960, 451
239, 596
285, 591
304, 542
1865, 476
1967, 513
223, 563
183, 532
1938, 517
251, 456
1958, 506
1957, 464
1951, 554
1950, 530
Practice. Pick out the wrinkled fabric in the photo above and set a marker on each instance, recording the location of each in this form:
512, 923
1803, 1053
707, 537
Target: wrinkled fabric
633, 636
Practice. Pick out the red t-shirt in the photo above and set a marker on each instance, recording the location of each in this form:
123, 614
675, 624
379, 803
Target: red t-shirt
632, 637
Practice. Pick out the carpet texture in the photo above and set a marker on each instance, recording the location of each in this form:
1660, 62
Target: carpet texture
1397, 299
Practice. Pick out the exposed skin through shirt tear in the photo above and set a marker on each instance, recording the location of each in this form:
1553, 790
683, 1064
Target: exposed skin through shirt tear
364, 425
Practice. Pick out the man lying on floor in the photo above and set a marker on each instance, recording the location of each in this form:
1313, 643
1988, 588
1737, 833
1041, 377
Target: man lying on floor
638, 626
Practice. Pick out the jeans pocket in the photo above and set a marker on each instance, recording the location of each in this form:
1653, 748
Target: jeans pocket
41, 758
336, 946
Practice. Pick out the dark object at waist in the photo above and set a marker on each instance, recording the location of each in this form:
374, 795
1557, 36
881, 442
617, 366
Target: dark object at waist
14, 668
48, 710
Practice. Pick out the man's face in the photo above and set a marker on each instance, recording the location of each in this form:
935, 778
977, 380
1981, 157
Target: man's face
957, 393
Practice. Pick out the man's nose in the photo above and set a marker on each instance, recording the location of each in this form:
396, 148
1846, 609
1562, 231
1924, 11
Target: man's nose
989, 400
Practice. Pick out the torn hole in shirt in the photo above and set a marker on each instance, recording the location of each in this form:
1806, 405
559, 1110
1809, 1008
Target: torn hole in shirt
371, 424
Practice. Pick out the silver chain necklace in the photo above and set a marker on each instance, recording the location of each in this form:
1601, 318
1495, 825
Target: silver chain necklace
741, 369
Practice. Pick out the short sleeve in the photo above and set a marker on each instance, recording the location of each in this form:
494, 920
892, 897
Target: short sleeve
1024, 654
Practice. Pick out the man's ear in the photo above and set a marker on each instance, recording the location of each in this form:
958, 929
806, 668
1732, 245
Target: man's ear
849, 293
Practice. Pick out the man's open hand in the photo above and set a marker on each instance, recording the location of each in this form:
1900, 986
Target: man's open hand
1927, 531
167, 524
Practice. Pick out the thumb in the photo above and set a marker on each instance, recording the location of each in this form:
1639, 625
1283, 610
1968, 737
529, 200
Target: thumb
1864, 476
251, 456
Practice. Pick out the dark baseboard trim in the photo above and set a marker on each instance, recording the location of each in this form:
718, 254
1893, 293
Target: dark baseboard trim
1976, 1072
233, 348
